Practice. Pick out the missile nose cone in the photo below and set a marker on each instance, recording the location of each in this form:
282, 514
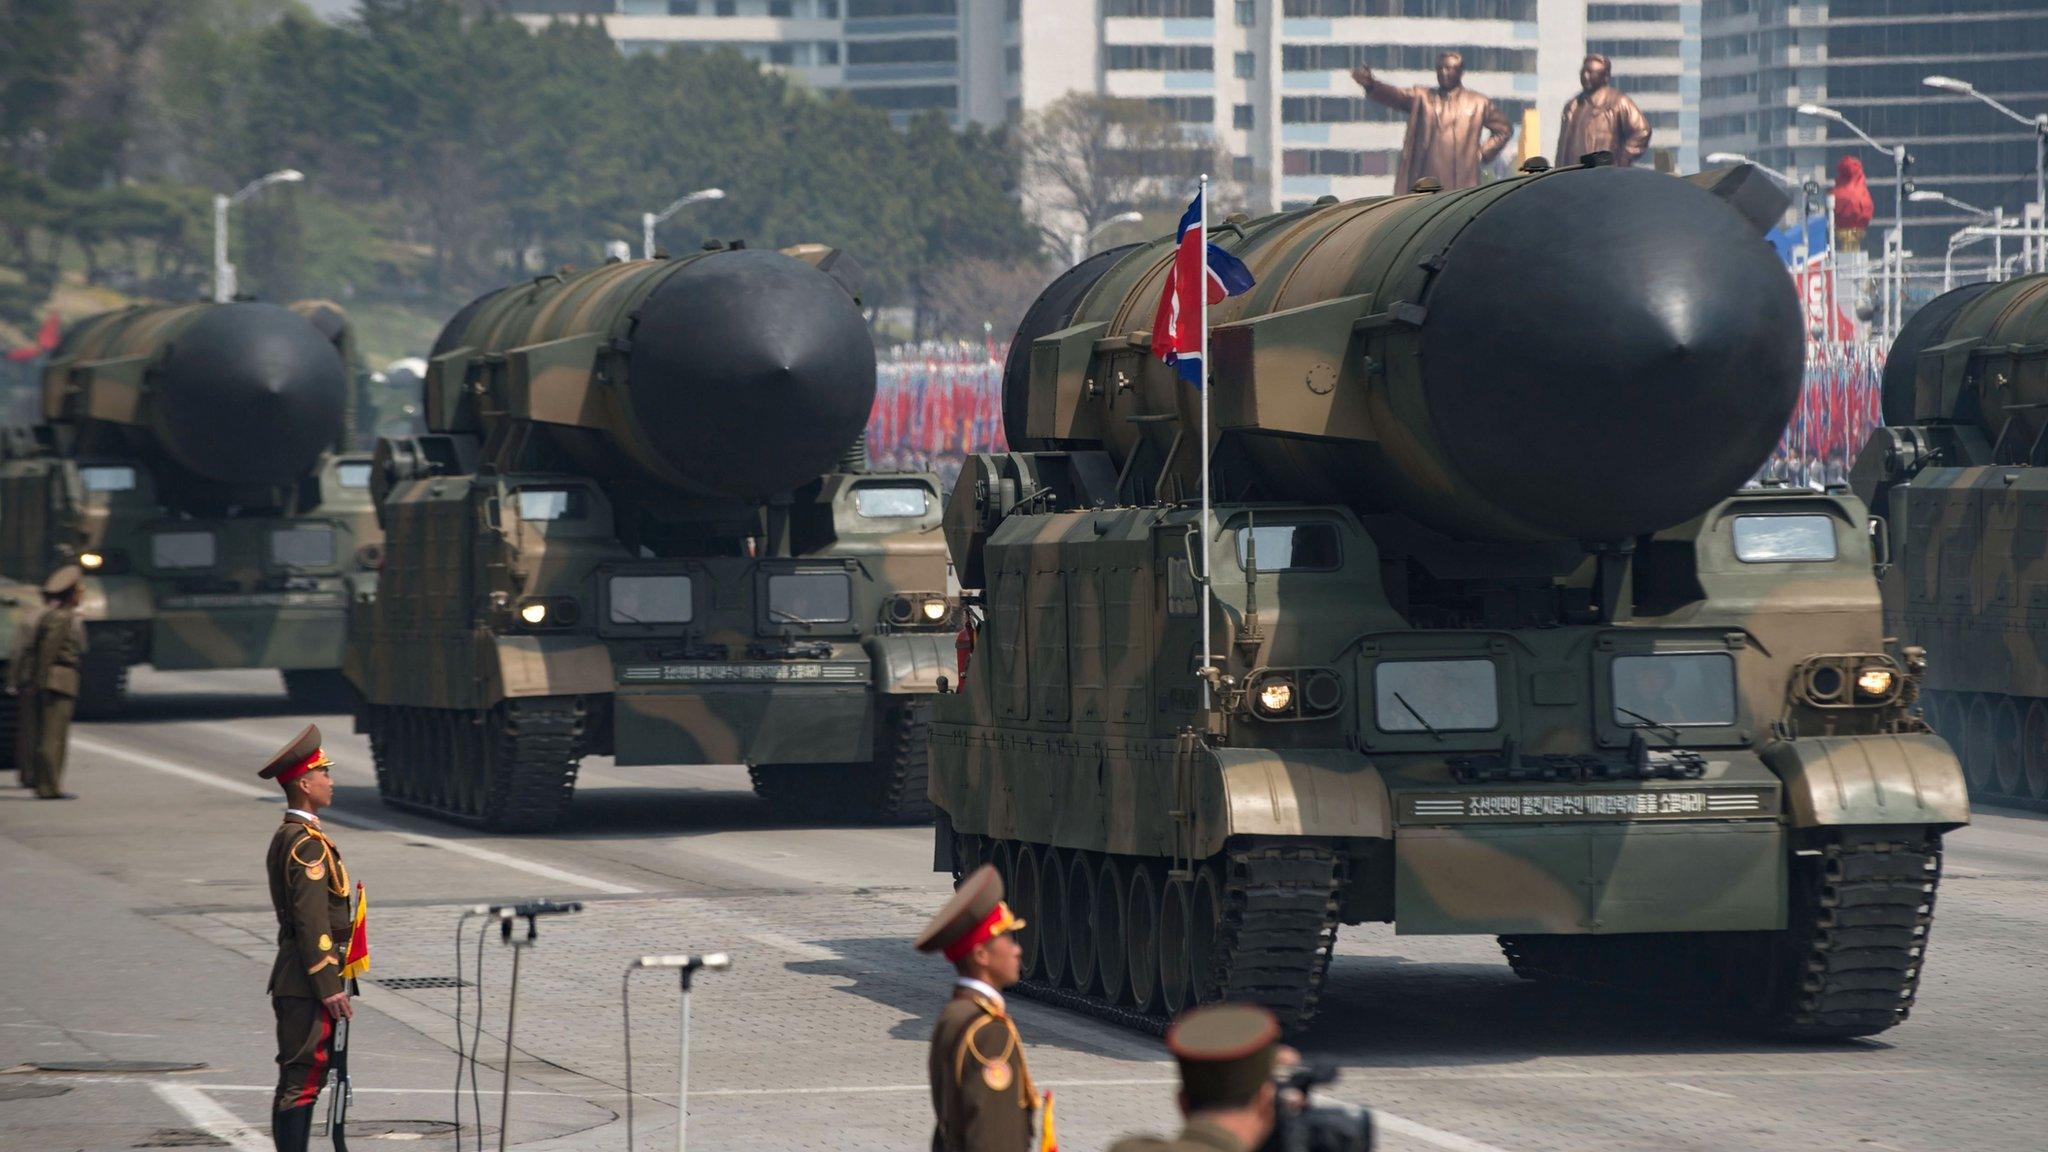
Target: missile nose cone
1609, 352
750, 372
249, 394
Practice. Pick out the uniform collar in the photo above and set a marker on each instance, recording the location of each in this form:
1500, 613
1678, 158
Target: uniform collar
981, 988
303, 817
1203, 1134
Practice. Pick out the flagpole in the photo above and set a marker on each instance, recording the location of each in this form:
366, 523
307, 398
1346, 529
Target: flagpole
1208, 543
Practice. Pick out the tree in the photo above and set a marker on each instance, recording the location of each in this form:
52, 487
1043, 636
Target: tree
1088, 158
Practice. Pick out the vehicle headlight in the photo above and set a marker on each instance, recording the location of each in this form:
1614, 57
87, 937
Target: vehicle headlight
1276, 696
533, 612
1874, 681
935, 610
91, 561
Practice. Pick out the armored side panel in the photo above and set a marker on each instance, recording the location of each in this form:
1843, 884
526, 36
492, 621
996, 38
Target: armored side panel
187, 461
642, 526
1492, 647
1959, 474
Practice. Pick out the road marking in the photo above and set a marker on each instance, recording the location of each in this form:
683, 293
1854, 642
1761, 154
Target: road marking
579, 881
1385, 1121
1698, 1089
206, 1114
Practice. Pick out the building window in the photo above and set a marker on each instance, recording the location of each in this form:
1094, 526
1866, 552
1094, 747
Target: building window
1241, 169
724, 8
1648, 83
1013, 59
1240, 116
1631, 13
1247, 13
1246, 66
1170, 9
1410, 57
1337, 110
1159, 58
1335, 162
1521, 10
828, 51
782, 53
1185, 109
907, 99
682, 7
779, 8
878, 9
936, 51
1634, 49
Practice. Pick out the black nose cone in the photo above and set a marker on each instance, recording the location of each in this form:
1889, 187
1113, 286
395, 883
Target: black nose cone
1609, 352
751, 372
249, 394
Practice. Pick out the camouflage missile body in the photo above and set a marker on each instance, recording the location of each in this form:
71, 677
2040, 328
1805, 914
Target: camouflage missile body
1497, 651
191, 460
1959, 473
641, 526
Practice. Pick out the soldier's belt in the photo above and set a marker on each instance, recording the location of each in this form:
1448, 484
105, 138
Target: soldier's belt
762, 672
1576, 804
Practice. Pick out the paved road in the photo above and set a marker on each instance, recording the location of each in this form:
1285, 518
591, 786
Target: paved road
136, 929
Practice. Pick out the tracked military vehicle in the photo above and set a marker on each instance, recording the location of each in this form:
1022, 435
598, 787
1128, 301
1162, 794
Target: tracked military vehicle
1500, 648
640, 526
190, 460
1959, 473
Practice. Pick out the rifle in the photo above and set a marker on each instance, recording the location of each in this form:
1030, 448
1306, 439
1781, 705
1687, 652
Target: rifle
344, 1091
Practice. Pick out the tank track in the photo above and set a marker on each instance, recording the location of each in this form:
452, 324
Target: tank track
892, 788
1995, 755
1278, 929
512, 769
10, 735
103, 673
1848, 964
318, 689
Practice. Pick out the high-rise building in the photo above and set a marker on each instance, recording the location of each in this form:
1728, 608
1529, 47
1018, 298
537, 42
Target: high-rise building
1267, 80
1868, 60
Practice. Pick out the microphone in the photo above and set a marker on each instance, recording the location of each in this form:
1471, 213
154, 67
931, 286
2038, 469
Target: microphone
530, 908
712, 961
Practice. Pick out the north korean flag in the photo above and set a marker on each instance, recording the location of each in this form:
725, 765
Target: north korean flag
1177, 326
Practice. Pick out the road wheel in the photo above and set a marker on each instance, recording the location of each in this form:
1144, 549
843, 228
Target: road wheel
1979, 743
2008, 754
896, 787
2034, 750
1080, 929
1112, 883
1174, 917
1024, 900
1051, 920
1141, 935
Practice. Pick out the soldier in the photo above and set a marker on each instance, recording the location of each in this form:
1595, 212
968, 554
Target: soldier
981, 1091
1445, 126
1601, 119
44, 677
1227, 1053
309, 891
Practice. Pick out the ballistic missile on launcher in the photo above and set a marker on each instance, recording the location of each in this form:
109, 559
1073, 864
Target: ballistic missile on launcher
1500, 648
641, 525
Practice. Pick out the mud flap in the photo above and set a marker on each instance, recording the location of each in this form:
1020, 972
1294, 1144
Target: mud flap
1912, 778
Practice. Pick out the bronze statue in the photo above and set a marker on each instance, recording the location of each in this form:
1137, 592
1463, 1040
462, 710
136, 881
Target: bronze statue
1601, 119
1452, 130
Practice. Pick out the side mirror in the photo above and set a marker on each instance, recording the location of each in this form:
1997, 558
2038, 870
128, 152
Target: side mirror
494, 514
1195, 571
1880, 544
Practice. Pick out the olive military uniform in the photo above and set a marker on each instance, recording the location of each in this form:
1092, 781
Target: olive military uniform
1226, 1054
44, 675
983, 1099
309, 892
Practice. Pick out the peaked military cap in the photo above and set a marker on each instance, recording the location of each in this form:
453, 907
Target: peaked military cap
976, 913
300, 755
63, 580
1225, 1052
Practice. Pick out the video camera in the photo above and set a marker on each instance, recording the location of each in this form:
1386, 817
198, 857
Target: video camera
1303, 1125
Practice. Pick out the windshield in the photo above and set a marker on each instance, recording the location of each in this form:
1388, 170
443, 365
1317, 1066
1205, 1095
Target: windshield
810, 597
1436, 695
1678, 689
876, 502
1290, 547
182, 550
302, 547
651, 599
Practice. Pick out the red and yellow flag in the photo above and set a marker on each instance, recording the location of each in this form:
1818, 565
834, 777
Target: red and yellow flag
356, 960
1047, 1142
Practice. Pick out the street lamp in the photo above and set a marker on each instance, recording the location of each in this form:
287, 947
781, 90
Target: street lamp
224, 272
1896, 242
649, 219
2038, 123
1930, 196
1738, 158
1995, 215
1080, 243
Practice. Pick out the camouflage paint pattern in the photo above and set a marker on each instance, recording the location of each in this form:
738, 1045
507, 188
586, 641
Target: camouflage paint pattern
1960, 476
731, 683
81, 489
